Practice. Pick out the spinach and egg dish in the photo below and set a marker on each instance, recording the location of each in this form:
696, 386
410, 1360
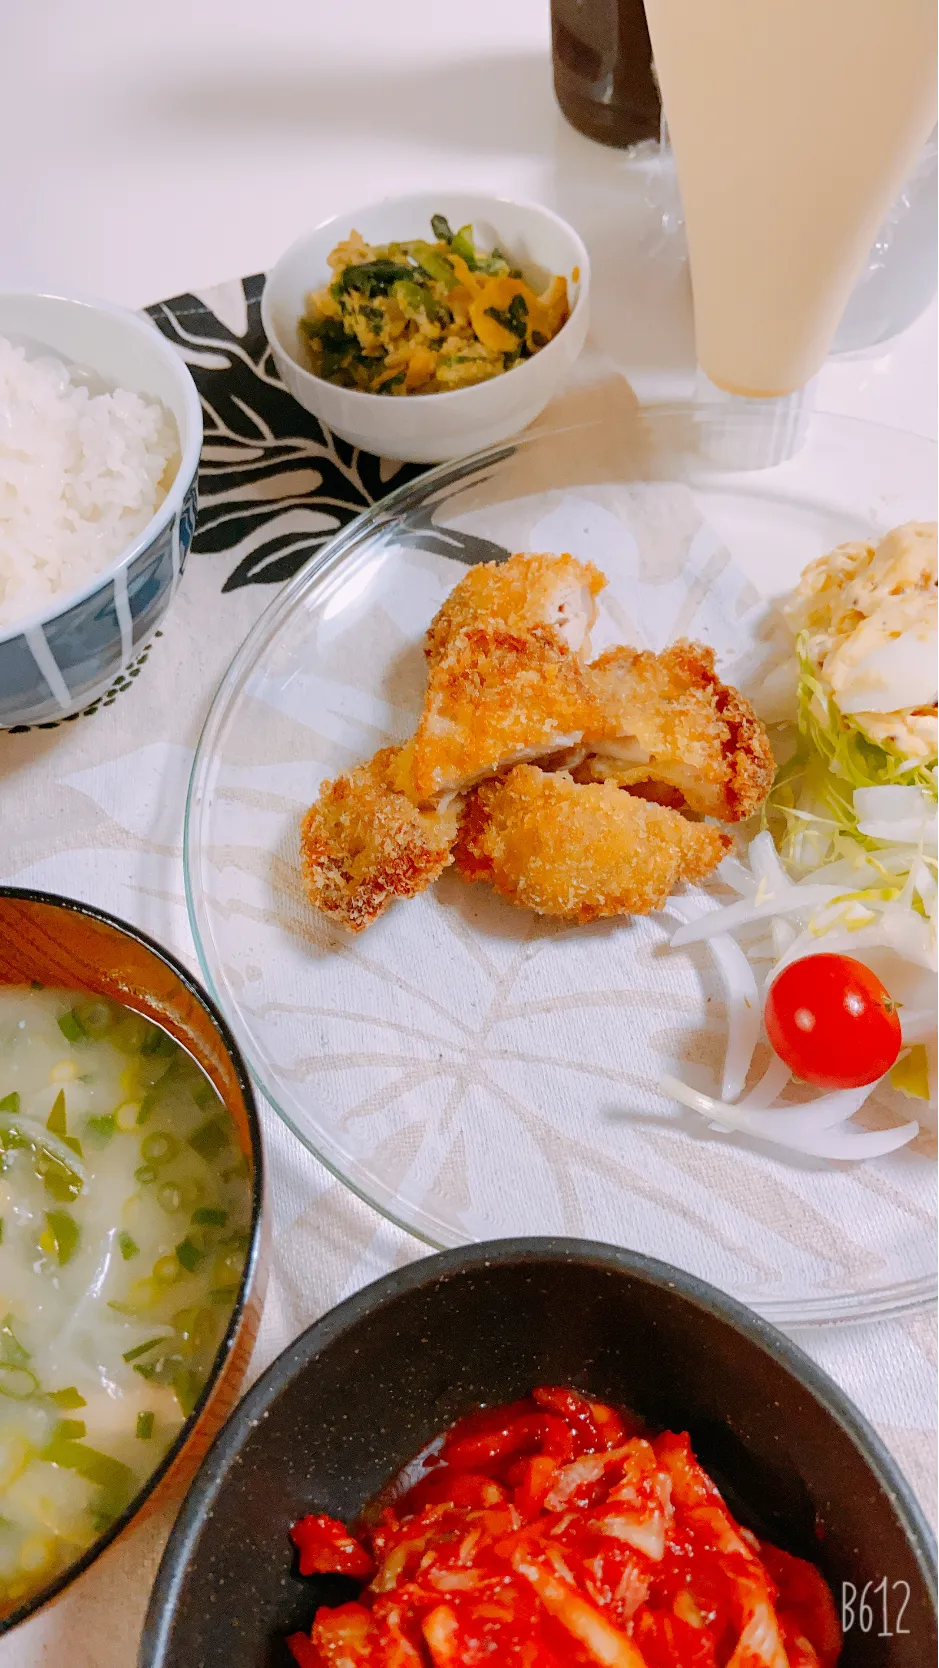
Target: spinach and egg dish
425, 317
125, 1213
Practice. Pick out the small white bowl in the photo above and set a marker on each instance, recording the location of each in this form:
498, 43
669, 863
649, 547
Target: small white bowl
430, 428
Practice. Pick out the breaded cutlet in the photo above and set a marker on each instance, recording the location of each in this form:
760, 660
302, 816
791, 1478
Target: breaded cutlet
363, 844
527, 590
580, 851
495, 698
675, 722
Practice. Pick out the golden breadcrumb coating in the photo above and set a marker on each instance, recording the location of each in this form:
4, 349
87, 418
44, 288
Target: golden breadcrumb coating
676, 723
525, 591
580, 850
363, 844
494, 698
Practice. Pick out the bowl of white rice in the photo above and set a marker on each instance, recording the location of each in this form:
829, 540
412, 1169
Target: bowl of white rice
100, 433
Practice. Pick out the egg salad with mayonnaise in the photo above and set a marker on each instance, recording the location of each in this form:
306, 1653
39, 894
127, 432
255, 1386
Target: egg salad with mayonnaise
865, 622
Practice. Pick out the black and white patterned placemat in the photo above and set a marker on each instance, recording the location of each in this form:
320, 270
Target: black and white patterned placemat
274, 484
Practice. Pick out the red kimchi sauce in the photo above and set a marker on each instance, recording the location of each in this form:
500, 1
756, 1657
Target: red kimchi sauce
549, 1533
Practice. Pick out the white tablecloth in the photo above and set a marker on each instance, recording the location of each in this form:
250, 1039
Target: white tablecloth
148, 151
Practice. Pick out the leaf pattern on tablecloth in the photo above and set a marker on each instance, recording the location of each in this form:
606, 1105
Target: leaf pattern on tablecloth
274, 484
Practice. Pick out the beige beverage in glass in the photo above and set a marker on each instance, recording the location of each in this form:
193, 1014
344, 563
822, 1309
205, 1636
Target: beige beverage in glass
794, 123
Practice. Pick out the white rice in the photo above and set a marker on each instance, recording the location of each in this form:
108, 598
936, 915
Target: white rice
81, 473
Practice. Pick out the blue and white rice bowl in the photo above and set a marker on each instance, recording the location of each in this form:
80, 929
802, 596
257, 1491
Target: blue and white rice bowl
58, 661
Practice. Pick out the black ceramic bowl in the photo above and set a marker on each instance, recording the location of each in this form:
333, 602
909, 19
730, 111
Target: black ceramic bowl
373, 1381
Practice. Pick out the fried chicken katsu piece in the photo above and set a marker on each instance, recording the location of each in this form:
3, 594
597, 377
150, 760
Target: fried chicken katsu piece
363, 844
525, 591
495, 698
580, 850
677, 724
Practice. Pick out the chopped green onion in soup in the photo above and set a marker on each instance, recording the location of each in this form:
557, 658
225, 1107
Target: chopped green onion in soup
125, 1205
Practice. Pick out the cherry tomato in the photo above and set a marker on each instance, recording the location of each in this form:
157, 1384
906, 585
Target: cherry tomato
832, 1022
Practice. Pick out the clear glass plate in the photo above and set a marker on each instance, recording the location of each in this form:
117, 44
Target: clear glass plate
469, 1069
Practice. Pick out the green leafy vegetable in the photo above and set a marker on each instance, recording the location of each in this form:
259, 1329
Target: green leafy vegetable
417, 299
60, 1182
70, 1429
97, 1016
337, 347
189, 1255
208, 1217
371, 278
65, 1234
56, 1119
158, 1042
210, 1138
56, 1124
11, 1103
127, 1245
71, 1027
145, 1426
462, 244
89, 1463
187, 1387
101, 1129
149, 1100
513, 318
67, 1398
141, 1349
223, 1296
433, 264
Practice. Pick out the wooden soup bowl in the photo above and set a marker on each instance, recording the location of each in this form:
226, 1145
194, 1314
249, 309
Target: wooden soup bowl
75, 946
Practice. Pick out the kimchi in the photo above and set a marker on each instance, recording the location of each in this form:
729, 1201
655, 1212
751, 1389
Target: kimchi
550, 1533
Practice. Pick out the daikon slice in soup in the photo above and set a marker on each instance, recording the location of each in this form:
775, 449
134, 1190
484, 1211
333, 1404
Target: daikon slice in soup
125, 1214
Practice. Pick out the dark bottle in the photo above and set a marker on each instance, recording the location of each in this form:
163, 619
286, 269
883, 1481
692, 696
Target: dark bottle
603, 73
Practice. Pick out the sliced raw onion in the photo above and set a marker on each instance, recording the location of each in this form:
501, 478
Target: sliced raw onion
917, 1024
770, 1085
737, 915
814, 1130
737, 876
744, 1017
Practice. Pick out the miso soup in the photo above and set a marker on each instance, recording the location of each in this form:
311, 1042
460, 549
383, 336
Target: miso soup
125, 1211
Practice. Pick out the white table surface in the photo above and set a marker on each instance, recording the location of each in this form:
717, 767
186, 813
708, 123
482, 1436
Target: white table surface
149, 150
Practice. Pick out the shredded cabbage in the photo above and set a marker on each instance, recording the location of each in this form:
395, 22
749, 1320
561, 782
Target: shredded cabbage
814, 791
835, 737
